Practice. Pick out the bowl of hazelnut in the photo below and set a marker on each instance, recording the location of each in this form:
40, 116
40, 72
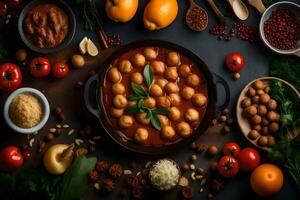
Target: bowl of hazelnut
154, 97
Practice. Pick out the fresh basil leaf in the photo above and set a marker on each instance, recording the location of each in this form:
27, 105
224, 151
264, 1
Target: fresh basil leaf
160, 111
155, 122
75, 181
139, 90
133, 97
148, 75
140, 104
131, 110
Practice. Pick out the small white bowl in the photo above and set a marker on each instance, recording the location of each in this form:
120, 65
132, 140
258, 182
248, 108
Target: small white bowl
46, 109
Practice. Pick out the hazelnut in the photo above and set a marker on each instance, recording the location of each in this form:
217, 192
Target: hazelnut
21, 55
256, 119
262, 110
274, 127
236, 76
264, 98
258, 85
212, 150
272, 104
193, 157
264, 130
271, 140
253, 134
251, 92
262, 141
246, 102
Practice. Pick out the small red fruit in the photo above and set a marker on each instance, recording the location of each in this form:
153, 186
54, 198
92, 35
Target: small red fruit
231, 149
228, 166
248, 159
235, 62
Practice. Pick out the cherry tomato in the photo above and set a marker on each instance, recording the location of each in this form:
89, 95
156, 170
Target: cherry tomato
10, 77
3, 8
60, 69
235, 62
248, 159
26, 154
228, 166
231, 149
14, 3
40, 67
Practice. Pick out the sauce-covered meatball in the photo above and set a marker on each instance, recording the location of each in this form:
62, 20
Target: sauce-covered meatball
192, 80
141, 135
120, 101
137, 78
174, 114
192, 115
164, 120
115, 112
246, 102
161, 82
272, 104
171, 88
155, 90
173, 58
125, 121
256, 119
187, 92
163, 102
258, 85
184, 70
138, 60
274, 127
125, 66
158, 67
199, 99
114, 75
142, 118
264, 98
150, 53
167, 132
118, 88
262, 110
272, 116
149, 102
183, 129
171, 74
175, 99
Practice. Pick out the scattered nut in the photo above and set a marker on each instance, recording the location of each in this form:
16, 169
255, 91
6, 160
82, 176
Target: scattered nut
188, 192
78, 141
127, 172
192, 167
81, 151
185, 167
31, 141
49, 137
236, 76
223, 118
193, 157
52, 130
71, 132
21, 55
212, 150
226, 129
65, 126
183, 181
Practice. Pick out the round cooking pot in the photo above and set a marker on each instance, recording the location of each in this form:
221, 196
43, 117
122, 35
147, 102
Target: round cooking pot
97, 108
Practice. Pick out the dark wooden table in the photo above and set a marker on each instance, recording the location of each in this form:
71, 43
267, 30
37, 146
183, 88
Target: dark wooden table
207, 47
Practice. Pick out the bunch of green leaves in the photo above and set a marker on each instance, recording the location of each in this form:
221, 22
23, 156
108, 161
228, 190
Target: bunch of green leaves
139, 95
287, 68
284, 151
86, 16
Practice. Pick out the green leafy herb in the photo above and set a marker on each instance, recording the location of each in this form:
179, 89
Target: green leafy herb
132, 110
75, 180
134, 97
88, 21
160, 111
155, 122
138, 90
148, 74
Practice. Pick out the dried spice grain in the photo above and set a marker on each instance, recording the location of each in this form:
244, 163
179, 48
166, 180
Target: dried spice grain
115, 170
102, 166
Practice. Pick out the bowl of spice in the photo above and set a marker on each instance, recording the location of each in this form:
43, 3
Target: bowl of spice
280, 28
26, 110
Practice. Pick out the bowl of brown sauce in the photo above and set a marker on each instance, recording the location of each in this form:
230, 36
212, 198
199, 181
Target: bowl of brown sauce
47, 26
154, 97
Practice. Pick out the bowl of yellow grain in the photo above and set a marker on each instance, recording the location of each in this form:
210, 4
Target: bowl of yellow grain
26, 110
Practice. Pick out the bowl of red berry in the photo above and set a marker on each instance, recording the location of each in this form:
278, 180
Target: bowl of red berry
280, 28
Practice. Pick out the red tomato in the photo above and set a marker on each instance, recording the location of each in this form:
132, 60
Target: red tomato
228, 166
60, 69
235, 62
14, 3
248, 159
3, 8
11, 159
231, 149
10, 77
40, 67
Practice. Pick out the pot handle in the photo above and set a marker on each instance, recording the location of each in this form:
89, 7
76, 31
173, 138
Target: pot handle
86, 94
220, 80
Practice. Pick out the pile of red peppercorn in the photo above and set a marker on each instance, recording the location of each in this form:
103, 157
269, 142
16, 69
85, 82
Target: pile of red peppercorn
282, 29
114, 40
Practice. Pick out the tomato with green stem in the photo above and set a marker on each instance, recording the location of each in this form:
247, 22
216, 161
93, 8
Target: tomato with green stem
228, 166
40, 67
60, 69
231, 149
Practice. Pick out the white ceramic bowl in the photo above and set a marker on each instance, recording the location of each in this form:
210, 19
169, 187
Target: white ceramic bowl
44, 102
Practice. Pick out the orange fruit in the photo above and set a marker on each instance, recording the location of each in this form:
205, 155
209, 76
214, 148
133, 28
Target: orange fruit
121, 10
266, 180
159, 14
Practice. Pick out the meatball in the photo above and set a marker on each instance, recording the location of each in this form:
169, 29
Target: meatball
174, 114
120, 101
192, 80
171, 74
262, 141
255, 99
164, 120
183, 129
161, 82
264, 98
115, 112
274, 127
114, 75
184, 70
253, 134
199, 99
138, 60
163, 102
118, 88
141, 135
149, 102
125, 121
175, 99
246, 102
265, 130
272, 116
142, 118
187, 92
150, 53
171, 88
192, 115
125, 66
272, 104
167, 132
256, 119
158, 67
251, 92
258, 85
262, 110
250, 111
137, 78
156, 91
173, 58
